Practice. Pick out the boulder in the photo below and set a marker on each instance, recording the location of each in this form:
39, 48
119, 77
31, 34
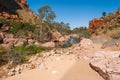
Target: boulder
86, 43
56, 35
49, 44
109, 43
107, 64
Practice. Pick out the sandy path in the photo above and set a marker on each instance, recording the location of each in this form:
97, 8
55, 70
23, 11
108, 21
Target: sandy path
81, 71
65, 67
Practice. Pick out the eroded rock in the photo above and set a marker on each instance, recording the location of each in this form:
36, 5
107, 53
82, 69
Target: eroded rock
86, 43
107, 64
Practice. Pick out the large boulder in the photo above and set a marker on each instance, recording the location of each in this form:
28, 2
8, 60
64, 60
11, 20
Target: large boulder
107, 64
86, 43
56, 35
109, 43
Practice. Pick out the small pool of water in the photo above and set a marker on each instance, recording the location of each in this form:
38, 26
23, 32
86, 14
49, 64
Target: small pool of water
72, 40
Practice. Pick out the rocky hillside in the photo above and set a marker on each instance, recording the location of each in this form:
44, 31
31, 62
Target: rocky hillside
18, 10
110, 21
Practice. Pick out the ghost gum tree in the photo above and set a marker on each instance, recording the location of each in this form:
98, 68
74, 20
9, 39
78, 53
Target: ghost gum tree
46, 13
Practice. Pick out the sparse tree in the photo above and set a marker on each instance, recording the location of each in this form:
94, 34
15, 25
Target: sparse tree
104, 14
46, 13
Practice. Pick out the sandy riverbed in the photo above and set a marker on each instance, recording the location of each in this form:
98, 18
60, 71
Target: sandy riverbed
65, 67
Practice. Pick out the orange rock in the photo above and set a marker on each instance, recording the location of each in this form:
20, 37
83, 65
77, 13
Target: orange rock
96, 23
106, 21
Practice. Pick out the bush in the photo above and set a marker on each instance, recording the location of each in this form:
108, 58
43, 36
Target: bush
17, 27
116, 35
105, 31
83, 32
2, 59
21, 54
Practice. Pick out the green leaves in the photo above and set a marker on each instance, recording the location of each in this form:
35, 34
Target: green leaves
46, 13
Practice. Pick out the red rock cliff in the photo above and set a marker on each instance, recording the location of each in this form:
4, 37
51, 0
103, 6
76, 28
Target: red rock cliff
111, 20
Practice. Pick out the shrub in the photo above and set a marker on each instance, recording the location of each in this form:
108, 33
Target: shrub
83, 32
16, 27
116, 35
2, 59
21, 54
105, 31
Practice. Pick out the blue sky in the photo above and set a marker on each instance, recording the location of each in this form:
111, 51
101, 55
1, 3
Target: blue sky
76, 12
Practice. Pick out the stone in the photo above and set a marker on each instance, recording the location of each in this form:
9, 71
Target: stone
86, 43
107, 64
49, 44
109, 43
56, 35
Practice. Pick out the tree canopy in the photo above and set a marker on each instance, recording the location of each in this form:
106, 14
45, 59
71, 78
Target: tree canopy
46, 13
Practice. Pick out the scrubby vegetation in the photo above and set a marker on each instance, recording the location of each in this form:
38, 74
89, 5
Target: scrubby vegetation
82, 31
2, 58
16, 27
19, 54
41, 32
116, 35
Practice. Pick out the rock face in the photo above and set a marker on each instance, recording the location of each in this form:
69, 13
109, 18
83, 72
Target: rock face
96, 23
56, 35
23, 3
107, 64
18, 10
109, 21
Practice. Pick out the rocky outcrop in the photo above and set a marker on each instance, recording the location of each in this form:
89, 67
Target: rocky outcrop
23, 3
56, 35
109, 21
96, 23
18, 10
107, 64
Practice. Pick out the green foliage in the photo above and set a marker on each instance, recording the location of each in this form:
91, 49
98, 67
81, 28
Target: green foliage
104, 14
46, 13
21, 54
18, 28
2, 50
82, 31
2, 59
25, 27
29, 49
62, 27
